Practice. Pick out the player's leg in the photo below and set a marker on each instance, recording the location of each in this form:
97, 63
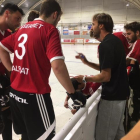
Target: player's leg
136, 105
17, 115
38, 115
6, 115
108, 126
1, 121
134, 81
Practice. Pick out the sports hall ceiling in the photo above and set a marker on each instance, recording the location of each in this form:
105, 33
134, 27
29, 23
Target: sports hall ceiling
134, 2
27, 5
80, 8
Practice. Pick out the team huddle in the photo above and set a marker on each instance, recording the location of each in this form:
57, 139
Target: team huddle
37, 49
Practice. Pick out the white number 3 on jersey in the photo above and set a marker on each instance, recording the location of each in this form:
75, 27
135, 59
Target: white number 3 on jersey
22, 46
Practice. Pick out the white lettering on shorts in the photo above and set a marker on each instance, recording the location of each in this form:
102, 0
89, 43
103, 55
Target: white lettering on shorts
19, 99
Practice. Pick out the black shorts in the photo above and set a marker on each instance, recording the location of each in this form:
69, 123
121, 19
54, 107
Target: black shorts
33, 114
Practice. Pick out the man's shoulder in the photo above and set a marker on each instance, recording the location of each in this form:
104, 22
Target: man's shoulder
37, 27
110, 39
118, 33
8, 31
37, 24
137, 42
136, 45
45, 24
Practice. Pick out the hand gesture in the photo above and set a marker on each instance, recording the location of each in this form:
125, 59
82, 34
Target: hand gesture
73, 111
79, 78
66, 104
81, 57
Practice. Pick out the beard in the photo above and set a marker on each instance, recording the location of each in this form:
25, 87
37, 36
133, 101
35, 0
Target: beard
91, 33
10, 25
134, 38
96, 33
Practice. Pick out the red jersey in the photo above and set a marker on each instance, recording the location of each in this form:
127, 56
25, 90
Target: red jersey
121, 36
35, 45
3, 35
125, 43
135, 52
90, 88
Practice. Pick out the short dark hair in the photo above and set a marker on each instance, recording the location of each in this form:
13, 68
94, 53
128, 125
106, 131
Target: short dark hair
106, 20
12, 8
133, 26
75, 83
32, 15
50, 6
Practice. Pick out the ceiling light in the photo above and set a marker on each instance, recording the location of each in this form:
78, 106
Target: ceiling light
127, 4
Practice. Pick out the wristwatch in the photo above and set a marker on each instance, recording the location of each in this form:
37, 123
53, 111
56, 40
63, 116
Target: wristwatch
84, 79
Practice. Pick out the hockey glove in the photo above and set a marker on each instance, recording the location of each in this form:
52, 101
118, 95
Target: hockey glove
78, 98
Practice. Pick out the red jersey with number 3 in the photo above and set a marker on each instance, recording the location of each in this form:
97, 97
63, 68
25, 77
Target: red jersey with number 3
135, 52
35, 45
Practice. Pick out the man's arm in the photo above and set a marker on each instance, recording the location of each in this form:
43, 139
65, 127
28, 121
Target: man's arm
127, 61
67, 98
104, 76
60, 71
5, 58
93, 65
134, 134
86, 62
8, 73
130, 61
66, 101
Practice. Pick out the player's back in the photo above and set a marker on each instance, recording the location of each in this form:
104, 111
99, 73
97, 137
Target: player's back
125, 43
34, 48
135, 51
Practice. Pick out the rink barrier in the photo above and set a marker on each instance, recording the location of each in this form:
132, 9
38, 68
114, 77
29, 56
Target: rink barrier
79, 41
82, 125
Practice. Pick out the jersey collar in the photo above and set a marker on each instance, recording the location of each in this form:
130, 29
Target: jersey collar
2, 32
39, 19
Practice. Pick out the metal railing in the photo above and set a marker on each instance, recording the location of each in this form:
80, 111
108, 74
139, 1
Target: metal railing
82, 125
